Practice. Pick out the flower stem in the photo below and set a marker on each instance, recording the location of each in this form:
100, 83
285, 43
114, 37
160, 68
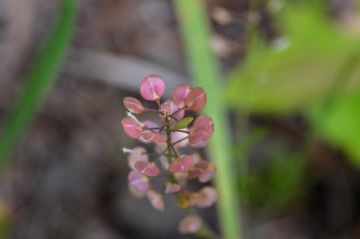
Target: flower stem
169, 146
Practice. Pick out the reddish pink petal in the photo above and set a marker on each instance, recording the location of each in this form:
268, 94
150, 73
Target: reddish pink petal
152, 87
207, 197
133, 105
198, 169
196, 100
208, 174
172, 188
154, 137
131, 128
156, 200
138, 155
189, 225
179, 95
148, 169
138, 181
180, 164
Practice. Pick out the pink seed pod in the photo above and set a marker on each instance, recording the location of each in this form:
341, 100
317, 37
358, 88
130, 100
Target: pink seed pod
148, 169
180, 94
156, 200
197, 169
153, 137
205, 121
196, 100
172, 188
138, 181
133, 105
131, 128
189, 225
152, 87
208, 174
180, 164
206, 197
139, 154
200, 144
148, 125
202, 130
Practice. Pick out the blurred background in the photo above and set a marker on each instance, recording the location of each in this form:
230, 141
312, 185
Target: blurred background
290, 74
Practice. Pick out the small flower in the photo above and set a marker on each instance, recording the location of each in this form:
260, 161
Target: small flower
196, 100
152, 87
189, 225
169, 108
132, 128
148, 169
133, 105
156, 200
180, 164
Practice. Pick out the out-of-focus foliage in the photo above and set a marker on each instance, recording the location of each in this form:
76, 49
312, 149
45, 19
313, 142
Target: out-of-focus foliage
297, 68
39, 80
339, 123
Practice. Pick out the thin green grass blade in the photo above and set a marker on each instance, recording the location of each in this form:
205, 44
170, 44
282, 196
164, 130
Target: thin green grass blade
39, 80
195, 28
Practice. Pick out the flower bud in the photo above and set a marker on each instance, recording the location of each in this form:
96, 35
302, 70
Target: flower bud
131, 128
180, 94
196, 100
133, 105
152, 87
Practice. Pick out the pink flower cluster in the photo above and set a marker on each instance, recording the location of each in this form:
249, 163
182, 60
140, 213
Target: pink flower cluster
172, 138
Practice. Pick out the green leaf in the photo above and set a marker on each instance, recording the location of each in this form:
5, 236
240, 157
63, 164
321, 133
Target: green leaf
39, 80
183, 123
297, 68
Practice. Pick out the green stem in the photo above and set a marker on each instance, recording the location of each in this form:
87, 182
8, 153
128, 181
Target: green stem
195, 27
169, 148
